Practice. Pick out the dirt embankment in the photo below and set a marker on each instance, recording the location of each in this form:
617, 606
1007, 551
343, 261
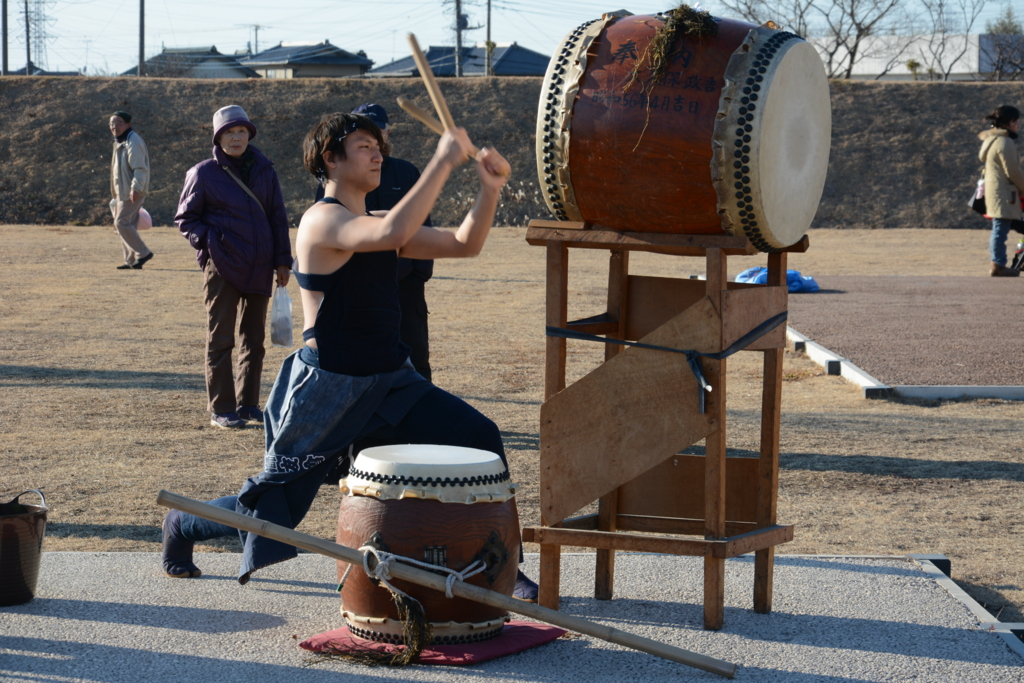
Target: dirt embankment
903, 154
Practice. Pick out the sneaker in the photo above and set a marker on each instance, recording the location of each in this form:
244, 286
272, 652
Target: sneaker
250, 413
226, 420
177, 551
142, 261
125, 266
525, 588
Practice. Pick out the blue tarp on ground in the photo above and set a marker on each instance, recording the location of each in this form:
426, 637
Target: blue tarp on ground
795, 281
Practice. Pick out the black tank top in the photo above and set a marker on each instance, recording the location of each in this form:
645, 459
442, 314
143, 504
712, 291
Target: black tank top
357, 327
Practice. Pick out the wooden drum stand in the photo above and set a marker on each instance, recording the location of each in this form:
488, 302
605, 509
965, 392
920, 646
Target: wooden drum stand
616, 434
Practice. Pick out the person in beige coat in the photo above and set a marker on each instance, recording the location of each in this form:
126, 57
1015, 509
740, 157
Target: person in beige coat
1004, 183
129, 182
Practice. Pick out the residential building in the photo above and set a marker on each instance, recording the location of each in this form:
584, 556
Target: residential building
508, 59
308, 60
193, 62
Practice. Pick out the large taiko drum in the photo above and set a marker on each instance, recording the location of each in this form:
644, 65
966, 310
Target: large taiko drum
734, 139
443, 505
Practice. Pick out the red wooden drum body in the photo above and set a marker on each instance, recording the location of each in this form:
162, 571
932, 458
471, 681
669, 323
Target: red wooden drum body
734, 140
392, 507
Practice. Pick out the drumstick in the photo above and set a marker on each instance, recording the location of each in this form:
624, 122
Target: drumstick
460, 588
413, 110
440, 106
427, 120
424, 117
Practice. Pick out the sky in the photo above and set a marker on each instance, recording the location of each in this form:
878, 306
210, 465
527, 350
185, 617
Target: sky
101, 36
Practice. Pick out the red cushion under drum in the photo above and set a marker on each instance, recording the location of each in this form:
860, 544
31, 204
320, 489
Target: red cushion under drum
517, 637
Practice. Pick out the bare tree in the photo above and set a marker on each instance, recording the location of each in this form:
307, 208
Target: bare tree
948, 25
1003, 48
793, 15
849, 25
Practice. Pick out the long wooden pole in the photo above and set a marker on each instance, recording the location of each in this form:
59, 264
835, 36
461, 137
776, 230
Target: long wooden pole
461, 589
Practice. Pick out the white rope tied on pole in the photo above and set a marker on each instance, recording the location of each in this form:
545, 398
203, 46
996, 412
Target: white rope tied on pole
382, 572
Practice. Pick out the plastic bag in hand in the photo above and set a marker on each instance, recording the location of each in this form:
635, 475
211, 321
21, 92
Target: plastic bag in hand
281, 318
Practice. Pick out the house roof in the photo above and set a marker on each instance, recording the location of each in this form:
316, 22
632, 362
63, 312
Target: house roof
36, 71
190, 62
298, 54
509, 59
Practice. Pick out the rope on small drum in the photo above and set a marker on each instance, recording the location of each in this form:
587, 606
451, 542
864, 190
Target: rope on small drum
416, 630
382, 572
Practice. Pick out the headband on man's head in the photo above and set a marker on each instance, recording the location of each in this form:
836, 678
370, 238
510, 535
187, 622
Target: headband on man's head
125, 116
350, 127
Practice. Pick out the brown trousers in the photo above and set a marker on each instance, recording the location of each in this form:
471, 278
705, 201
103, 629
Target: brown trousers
226, 305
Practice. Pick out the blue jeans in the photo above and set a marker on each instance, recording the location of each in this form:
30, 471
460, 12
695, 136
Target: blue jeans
436, 418
997, 241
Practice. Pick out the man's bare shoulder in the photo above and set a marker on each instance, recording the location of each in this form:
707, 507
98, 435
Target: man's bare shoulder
325, 216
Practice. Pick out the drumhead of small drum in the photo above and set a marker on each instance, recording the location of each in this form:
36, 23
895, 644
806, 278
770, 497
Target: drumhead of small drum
794, 156
451, 474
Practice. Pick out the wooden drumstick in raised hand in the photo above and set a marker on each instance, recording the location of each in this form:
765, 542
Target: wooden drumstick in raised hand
440, 106
424, 117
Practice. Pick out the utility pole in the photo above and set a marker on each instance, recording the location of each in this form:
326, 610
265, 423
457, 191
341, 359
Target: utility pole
458, 38
256, 30
28, 43
142, 35
5, 70
489, 45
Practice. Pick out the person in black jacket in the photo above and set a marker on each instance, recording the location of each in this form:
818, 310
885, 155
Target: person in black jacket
397, 177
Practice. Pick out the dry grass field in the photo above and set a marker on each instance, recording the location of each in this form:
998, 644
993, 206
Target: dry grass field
102, 400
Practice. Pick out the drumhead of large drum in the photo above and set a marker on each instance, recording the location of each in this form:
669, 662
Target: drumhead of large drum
794, 159
450, 474
772, 139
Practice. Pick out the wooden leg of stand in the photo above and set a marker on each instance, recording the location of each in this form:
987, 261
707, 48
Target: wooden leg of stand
550, 576
714, 520
554, 382
618, 278
714, 458
604, 577
768, 476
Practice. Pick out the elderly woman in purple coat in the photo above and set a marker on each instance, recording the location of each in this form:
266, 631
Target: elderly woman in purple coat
232, 212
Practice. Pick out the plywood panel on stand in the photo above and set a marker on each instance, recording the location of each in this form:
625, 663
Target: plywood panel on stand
659, 492
632, 412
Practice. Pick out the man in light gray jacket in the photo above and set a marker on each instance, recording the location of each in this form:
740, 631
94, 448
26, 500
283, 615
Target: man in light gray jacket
129, 182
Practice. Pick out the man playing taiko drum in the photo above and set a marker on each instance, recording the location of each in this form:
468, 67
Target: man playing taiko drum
352, 385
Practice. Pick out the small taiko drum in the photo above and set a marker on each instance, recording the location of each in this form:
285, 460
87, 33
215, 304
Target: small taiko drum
734, 139
443, 505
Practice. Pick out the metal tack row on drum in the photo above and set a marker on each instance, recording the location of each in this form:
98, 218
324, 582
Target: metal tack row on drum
734, 139
442, 505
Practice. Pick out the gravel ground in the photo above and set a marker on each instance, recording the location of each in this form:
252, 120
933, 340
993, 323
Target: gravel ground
918, 329
113, 618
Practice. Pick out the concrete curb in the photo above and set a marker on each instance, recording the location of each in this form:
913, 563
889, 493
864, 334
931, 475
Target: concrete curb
1011, 393
836, 365
1011, 633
